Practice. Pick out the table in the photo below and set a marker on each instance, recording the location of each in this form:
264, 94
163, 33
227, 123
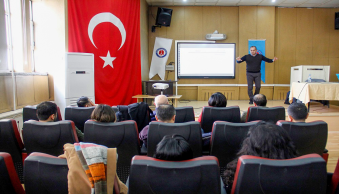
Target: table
316, 91
174, 98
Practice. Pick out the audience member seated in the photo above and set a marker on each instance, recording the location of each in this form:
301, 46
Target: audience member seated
297, 112
173, 148
158, 100
47, 112
165, 113
264, 140
103, 113
84, 101
216, 100
258, 100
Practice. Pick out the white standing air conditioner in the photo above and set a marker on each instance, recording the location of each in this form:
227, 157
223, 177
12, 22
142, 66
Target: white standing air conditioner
74, 79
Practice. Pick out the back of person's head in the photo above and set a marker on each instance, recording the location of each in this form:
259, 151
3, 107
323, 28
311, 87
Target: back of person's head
45, 109
260, 100
268, 141
160, 100
165, 113
103, 113
83, 101
217, 100
173, 148
298, 111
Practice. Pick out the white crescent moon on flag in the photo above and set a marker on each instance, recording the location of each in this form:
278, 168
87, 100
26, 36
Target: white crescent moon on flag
106, 17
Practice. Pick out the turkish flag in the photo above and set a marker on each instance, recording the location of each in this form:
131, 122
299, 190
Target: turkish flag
110, 29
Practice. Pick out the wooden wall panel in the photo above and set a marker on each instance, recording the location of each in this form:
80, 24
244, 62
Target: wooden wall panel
193, 28
6, 94
41, 92
280, 93
211, 20
334, 36
51, 87
321, 36
286, 38
231, 93
247, 30
304, 43
265, 30
188, 92
24, 90
175, 34
229, 21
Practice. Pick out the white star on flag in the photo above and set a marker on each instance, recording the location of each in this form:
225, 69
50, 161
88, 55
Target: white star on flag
108, 60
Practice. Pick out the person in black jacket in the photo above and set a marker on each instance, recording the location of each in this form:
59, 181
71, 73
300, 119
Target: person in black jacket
253, 67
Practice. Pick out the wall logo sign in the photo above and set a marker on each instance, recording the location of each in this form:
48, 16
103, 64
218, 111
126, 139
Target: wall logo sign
161, 52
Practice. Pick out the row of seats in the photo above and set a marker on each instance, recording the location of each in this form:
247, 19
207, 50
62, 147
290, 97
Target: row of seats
226, 138
306, 174
79, 115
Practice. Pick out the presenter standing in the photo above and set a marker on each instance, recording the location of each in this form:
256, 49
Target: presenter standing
253, 67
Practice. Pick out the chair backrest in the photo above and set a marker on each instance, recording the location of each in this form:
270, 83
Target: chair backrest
191, 131
268, 114
184, 114
226, 140
10, 142
79, 115
309, 137
9, 180
45, 174
335, 180
121, 135
29, 113
212, 114
48, 137
199, 175
305, 174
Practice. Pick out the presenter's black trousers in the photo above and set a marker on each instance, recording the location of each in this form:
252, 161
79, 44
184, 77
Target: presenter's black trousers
256, 78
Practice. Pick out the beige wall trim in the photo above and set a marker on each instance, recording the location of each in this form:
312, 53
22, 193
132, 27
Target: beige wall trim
264, 85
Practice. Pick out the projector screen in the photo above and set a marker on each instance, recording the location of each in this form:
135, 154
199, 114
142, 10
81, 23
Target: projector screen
205, 60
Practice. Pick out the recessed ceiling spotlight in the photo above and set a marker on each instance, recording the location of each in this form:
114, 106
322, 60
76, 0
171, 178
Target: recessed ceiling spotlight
184, 0
273, 1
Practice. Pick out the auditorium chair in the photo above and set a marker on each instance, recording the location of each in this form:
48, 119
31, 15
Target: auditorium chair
307, 137
334, 187
121, 135
226, 141
79, 115
29, 113
212, 114
10, 142
184, 114
48, 137
9, 180
191, 131
305, 174
45, 174
195, 176
268, 114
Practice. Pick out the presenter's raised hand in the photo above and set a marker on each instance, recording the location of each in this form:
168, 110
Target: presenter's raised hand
238, 59
275, 58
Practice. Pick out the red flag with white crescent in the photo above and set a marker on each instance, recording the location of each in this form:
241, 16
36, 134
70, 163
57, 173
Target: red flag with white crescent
110, 29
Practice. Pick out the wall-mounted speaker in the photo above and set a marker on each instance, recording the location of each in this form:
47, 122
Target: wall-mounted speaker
164, 16
336, 21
